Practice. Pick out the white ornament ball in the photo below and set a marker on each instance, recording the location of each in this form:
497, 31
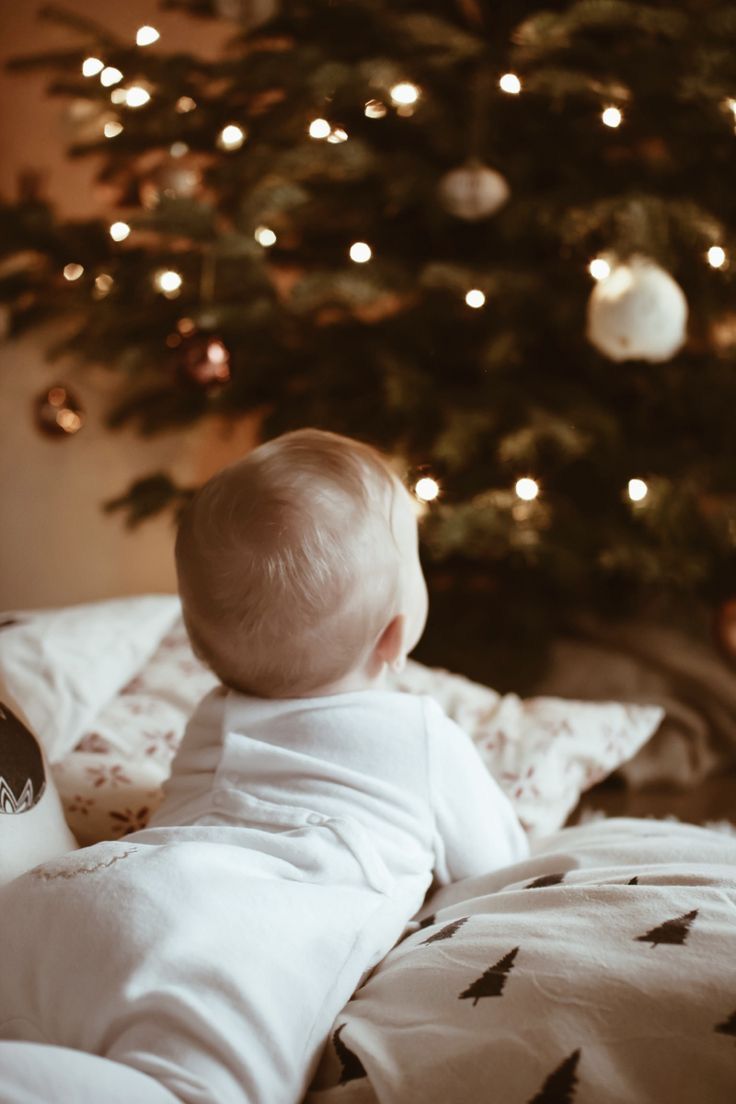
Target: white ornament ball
473, 191
638, 312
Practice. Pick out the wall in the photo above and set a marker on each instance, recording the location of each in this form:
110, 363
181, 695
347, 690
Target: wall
57, 546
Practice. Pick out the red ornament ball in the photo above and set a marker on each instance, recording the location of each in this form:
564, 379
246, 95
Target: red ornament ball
58, 412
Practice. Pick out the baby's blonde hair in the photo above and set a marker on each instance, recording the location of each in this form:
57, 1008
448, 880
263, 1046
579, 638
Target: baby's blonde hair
287, 565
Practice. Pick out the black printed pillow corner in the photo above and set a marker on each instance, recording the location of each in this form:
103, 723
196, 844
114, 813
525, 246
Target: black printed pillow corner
22, 774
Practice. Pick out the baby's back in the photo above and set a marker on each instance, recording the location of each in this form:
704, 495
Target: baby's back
286, 773
214, 948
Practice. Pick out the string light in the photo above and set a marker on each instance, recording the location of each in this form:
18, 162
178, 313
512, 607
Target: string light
375, 109
510, 83
426, 489
527, 489
178, 149
338, 135
265, 236
360, 252
475, 298
73, 271
218, 360
103, 285
119, 231
319, 128
145, 36
716, 256
185, 104
137, 96
612, 117
231, 137
91, 66
599, 268
168, 282
110, 75
112, 128
637, 489
119, 95
404, 94
186, 326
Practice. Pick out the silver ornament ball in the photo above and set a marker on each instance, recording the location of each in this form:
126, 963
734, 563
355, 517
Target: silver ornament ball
474, 191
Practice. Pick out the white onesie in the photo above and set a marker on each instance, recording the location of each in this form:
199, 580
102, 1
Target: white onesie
214, 949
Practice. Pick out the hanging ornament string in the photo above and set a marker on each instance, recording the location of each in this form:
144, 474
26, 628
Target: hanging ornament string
474, 190
481, 83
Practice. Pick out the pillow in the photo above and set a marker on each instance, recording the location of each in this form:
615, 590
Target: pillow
111, 783
32, 824
543, 752
60, 667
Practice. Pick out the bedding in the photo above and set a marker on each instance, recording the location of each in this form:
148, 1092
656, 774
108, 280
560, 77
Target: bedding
644, 660
107, 687
602, 970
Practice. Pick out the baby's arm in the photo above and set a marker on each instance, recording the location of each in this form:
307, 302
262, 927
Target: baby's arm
477, 829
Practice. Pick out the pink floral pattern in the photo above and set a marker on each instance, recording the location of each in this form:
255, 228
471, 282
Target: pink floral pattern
111, 783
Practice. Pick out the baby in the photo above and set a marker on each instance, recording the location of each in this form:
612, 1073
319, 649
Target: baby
205, 958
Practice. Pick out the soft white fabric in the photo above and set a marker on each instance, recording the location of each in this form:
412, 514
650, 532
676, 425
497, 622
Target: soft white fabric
213, 950
60, 667
35, 1073
601, 969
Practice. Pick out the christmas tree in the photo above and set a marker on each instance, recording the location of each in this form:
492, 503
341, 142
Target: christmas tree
494, 239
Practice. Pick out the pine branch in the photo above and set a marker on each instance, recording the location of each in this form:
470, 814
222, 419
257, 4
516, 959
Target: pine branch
55, 13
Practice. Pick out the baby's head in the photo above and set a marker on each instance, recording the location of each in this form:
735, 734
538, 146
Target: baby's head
298, 568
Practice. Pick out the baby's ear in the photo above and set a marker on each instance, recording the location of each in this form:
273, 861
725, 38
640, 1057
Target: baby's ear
390, 647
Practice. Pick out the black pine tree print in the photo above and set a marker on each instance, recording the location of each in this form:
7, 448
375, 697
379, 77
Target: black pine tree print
634, 881
545, 880
352, 1067
445, 933
728, 1027
427, 922
672, 931
491, 983
559, 1088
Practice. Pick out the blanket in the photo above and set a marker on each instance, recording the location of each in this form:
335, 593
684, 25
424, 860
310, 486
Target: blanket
600, 971
647, 661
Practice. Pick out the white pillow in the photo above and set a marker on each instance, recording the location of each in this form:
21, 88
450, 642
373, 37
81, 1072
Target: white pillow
60, 667
543, 752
